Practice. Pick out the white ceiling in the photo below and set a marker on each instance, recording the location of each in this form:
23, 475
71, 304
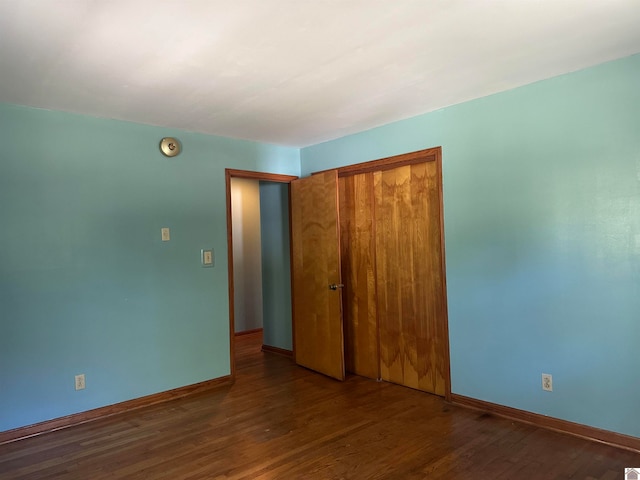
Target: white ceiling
294, 72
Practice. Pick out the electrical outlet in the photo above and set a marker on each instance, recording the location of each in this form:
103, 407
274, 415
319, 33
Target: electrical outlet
80, 382
547, 382
166, 234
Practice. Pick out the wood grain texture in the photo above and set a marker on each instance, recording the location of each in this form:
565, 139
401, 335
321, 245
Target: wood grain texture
357, 249
253, 331
443, 324
109, 410
317, 310
420, 156
583, 431
277, 350
266, 177
279, 421
410, 280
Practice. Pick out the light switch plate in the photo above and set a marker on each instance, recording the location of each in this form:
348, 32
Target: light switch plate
206, 257
166, 234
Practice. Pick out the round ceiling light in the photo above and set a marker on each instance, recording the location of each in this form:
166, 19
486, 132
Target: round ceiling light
170, 146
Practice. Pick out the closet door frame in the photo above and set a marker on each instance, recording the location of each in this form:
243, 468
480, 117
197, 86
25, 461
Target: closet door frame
420, 156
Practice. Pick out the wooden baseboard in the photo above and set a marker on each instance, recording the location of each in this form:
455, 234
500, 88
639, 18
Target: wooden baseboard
277, 351
103, 412
249, 332
619, 440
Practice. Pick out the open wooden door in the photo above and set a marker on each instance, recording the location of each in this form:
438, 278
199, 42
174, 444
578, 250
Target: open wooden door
317, 297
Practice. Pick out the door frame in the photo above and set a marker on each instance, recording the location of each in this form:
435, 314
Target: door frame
230, 173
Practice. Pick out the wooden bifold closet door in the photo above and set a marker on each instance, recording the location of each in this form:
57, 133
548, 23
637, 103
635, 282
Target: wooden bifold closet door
394, 301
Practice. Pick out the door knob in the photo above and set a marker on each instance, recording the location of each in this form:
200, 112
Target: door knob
335, 286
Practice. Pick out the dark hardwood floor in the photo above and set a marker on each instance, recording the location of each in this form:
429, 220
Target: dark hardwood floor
280, 421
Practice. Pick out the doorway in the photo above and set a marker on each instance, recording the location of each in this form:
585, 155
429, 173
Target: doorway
388, 215
247, 255
259, 259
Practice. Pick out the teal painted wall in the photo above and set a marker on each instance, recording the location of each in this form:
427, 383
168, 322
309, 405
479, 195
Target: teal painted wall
86, 285
542, 233
276, 265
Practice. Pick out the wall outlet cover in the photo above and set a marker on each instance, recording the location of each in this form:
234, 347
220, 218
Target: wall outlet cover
206, 257
80, 384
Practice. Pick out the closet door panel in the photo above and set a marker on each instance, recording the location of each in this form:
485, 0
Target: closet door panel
408, 255
357, 245
394, 267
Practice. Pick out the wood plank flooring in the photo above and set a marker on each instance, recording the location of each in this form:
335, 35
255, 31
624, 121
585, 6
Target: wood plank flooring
280, 421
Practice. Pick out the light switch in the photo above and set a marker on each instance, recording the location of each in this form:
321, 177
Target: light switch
166, 234
206, 257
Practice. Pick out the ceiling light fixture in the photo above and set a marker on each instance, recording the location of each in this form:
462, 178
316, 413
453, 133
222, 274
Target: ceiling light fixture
169, 146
